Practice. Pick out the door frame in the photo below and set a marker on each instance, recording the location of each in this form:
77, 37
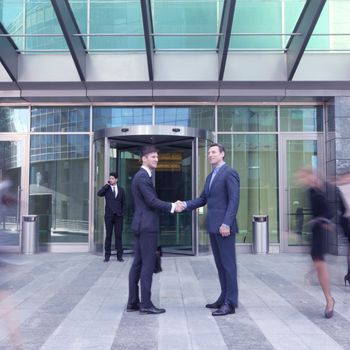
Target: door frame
172, 134
23, 191
282, 160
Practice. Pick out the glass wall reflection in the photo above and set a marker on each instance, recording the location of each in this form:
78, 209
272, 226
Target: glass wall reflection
59, 186
193, 116
110, 117
14, 119
255, 159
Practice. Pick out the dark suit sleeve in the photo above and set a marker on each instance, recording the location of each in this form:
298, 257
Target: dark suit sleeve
150, 197
102, 191
198, 202
232, 187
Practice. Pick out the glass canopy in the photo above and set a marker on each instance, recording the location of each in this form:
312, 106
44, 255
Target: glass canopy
176, 25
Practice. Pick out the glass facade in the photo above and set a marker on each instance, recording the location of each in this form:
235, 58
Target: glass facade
60, 155
59, 172
59, 164
110, 117
116, 25
14, 119
195, 117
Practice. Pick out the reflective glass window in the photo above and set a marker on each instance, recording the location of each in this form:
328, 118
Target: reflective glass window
116, 17
109, 117
324, 26
79, 8
59, 186
298, 118
41, 19
197, 117
255, 159
332, 31
14, 119
256, 16
60, 119
186, 17
11, 16
292, 11
247, 118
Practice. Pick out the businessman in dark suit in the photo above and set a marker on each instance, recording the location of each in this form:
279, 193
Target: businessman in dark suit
221, 193
145, 225
114, 212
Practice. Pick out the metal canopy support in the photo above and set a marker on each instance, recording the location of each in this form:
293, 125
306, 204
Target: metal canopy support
70, 28
305, 26
225, 29
149, 38
8, 54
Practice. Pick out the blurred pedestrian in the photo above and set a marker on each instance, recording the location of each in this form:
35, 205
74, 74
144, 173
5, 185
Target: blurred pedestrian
320, 222
344, 213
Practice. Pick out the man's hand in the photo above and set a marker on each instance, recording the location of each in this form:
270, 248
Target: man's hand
224, 230
179, 206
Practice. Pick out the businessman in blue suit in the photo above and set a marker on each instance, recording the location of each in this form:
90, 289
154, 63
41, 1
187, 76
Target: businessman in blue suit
221, 193
145, 225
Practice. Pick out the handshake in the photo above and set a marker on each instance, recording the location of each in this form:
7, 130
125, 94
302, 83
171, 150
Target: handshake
179, 206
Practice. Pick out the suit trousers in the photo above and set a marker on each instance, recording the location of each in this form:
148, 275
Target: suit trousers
142, 268
224, 251
114, 222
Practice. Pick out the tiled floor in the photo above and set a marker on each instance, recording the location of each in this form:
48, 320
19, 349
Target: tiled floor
75, 301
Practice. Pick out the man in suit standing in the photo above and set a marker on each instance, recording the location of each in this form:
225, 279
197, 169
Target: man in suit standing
114, 212
221, 193
145, 225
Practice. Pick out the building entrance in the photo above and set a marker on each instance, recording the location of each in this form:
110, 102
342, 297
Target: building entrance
13, 190
175, 178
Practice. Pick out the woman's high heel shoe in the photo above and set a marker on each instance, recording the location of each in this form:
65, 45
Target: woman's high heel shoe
347, 278
329, 313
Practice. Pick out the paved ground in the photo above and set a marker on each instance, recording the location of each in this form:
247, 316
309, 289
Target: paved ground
75, 301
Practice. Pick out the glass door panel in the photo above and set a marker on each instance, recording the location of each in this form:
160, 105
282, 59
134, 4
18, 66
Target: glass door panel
173, 180
298, 153
99, 207
11, 161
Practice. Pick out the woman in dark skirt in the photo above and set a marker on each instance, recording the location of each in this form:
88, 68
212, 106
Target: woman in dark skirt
344, 213
321, 214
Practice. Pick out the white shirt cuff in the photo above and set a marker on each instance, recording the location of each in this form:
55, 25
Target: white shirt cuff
172, 208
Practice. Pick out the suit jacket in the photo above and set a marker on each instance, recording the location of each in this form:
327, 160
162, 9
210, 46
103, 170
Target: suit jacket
222, 199
146, 203
114, 205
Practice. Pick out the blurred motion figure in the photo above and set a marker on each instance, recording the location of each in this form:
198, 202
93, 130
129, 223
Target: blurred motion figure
321, 215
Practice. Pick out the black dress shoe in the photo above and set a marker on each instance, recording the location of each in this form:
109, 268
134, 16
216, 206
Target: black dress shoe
224, 310
215, 305
120, 259
133, 307
106, 259
151, 310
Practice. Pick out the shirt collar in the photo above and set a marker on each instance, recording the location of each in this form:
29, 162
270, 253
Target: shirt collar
216, 169
149, 172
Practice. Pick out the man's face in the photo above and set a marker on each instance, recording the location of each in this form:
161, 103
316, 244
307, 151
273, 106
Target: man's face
150, 160
215, 157
112, 180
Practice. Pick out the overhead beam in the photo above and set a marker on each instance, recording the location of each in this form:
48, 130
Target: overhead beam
8, 54
70, 28
304, 28
225, 31
149, 38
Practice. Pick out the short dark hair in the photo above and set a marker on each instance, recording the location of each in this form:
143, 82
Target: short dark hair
148, 149
114, 174
219, 145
